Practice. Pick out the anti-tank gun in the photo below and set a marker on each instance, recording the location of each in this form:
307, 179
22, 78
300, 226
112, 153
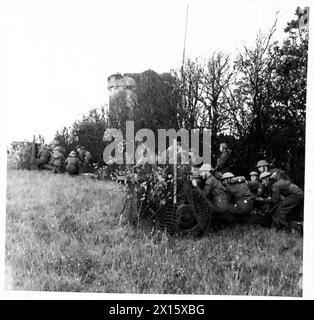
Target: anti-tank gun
168, 200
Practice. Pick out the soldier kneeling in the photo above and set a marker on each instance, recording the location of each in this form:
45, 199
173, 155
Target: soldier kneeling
57, 160
72, 163
240, 196
289, 199
217, 195
43, 156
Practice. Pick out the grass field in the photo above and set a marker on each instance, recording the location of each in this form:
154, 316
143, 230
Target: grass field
64, 234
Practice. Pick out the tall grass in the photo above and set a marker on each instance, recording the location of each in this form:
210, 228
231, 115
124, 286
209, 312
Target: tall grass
64, 234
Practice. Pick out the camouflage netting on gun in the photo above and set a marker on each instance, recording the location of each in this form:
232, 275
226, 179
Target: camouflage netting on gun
150, 196
169, 218
202, 210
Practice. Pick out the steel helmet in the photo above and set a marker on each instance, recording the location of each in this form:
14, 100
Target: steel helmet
57, 148
262, 163
253, 173
264, 174
227, 175
56, 142
206, 167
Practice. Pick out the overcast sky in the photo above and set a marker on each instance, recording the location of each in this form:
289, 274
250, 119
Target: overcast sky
61, 52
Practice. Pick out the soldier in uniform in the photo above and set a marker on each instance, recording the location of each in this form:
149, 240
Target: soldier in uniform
72, 163
263, 166
260, 213
88, 160
85, 158
43, 156
57, 159
289, 198
240, 196
56, 144
80, 152
253, 183
224, 162
217, 195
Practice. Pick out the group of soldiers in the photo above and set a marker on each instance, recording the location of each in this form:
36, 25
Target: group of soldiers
53, 158
269, 197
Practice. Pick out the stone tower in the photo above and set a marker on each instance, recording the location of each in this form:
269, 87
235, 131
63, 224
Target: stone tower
117, 83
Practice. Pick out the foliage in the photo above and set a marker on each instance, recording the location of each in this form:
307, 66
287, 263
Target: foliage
148, 186
152, 105
269, 97
87, 132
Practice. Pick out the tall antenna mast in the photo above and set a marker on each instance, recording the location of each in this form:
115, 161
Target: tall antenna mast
175, 142
186, 27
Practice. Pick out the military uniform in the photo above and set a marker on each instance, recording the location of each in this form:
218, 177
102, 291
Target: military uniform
280, 173
194, 207
81, 155
253, 185
57, 159
88, 161
265, 192
291, 206
242, 203
72, 163
217, 195
43, 156
85, 158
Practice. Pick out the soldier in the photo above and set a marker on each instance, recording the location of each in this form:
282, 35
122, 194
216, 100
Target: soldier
264, 166
289, 198
88, 160
85, 158
81, 153
56, 143
57, 159
194, 209
43, 156
217, 195
260, 213
253, 183
240, 196
224, 162
72, 163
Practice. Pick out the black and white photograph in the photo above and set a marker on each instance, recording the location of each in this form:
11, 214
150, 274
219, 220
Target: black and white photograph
157, 149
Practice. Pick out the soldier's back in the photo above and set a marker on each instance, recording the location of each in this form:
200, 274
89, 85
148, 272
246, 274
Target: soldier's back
239, 190
215, 188
281, 174
287, 188
72, 161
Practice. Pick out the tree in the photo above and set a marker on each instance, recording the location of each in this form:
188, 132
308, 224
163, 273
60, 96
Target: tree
121, 110
89, 132
289, 85
216, 77
155, 103
152, 104
189, 82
